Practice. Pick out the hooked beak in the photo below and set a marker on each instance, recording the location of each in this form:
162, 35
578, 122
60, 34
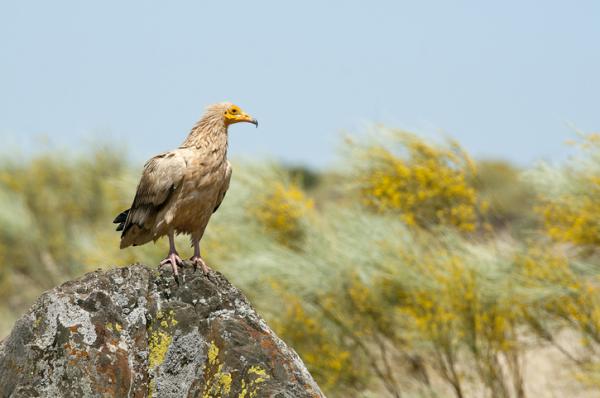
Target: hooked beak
249, 119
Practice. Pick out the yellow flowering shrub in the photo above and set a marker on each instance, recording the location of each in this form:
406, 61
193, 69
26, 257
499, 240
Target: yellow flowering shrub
573, 214
356, 307
574, 219
568, 297
325, 356
425, 184
58, 202
282, 212
569, 290
434, 309
575, 295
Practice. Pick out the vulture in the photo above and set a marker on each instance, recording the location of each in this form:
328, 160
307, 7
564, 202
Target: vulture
180, 189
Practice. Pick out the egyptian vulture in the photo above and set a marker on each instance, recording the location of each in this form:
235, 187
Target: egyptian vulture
181, 189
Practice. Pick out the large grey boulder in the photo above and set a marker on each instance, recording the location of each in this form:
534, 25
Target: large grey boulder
133, 332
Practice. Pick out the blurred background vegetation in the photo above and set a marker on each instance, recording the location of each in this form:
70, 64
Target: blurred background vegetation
410, 270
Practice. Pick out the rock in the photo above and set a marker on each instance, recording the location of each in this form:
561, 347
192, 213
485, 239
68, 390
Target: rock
133, 332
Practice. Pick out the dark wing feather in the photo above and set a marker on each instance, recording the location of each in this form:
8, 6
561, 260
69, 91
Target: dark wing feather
162, 175
224, 188
120, 219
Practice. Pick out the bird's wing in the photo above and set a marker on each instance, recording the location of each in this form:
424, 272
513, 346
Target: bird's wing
162, 175
224, 187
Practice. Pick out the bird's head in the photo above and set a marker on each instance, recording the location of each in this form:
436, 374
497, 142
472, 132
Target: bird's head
234, 114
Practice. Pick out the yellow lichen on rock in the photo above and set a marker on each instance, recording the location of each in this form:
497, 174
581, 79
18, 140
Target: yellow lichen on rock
158, 344
160, 339
213, 353
218, 382
250, 389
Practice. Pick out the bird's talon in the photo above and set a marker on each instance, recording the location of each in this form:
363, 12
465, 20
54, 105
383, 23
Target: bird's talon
174, 260
198, 261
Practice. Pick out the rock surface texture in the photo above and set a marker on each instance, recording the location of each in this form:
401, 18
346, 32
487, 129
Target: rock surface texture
133, 332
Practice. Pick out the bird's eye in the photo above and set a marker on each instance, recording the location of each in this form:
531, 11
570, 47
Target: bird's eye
234, 110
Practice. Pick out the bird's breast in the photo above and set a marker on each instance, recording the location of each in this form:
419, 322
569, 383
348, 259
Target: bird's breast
197, 199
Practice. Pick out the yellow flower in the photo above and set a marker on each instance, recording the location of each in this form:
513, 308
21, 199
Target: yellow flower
427, 186
282, 210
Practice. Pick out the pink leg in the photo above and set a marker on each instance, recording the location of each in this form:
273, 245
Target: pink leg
196, 259
173, 256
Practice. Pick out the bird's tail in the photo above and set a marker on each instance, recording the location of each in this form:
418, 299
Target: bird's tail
120, 219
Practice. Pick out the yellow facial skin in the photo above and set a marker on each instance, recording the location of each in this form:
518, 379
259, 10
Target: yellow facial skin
235, 115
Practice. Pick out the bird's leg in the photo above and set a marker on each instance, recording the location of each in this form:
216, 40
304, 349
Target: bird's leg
196, 259
173, 256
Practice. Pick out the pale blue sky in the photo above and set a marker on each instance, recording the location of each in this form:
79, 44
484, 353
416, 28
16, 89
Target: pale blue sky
506, 78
